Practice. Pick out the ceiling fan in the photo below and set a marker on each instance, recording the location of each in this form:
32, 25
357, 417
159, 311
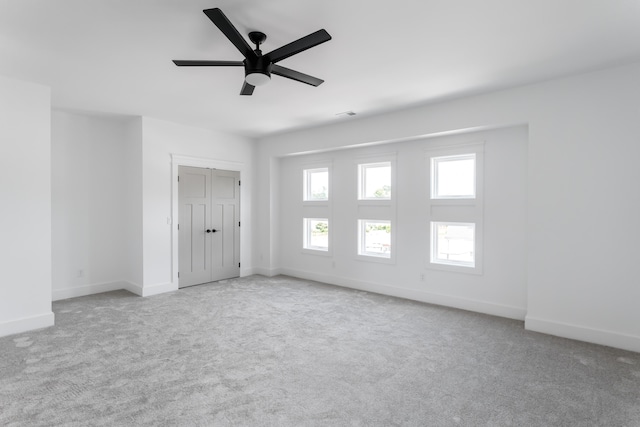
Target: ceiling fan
258, 67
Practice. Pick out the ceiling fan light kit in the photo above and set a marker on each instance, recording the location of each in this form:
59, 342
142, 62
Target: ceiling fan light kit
257, 78
257, 73
258, 67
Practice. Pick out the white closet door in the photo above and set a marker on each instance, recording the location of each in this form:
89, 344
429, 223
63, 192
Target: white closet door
209, 227
226, 221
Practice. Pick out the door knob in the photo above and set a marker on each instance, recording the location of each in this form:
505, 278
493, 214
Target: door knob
213, 230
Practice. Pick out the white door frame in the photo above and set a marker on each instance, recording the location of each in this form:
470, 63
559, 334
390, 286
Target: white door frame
199, 162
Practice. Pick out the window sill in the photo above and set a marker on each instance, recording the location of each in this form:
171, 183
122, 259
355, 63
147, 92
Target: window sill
452, 268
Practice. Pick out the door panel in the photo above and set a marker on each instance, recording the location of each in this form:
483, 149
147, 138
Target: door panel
199, 250
226, 242
217, 239
209, 199
194, 248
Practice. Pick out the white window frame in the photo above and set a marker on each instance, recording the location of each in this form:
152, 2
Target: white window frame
434, 245
373, 209
306, 184
363, 254
435, 164
362, 167
306, 237
462, 210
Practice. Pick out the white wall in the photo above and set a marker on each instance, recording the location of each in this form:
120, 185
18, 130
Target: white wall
583, 204
25, 194
500, 290
132, 170
88, 204
112, 212
160, 140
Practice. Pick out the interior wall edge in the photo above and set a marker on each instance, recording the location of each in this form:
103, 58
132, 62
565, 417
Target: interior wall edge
244, 272
268, 272
154, 289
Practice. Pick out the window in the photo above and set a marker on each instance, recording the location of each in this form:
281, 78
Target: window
316, 234
453, 177
316, 184
374, 238
455, 207
453, 243
374, 181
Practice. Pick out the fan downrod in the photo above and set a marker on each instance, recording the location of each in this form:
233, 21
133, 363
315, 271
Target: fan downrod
257, 38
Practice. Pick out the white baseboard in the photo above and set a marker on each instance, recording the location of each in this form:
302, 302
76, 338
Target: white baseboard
81, 291
244, 272
134, 288
155, 289
412, 294
268, 272
582, 333
97, 288
25, 324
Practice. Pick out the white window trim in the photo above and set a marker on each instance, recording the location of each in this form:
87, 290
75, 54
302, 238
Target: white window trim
316, 209
375, 209
454, 150
434, 242
371, 159
460, 210
361, 182
315, 250
436, 160
371, 256
306, 184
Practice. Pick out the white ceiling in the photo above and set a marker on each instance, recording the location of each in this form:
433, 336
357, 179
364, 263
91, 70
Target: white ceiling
114, 56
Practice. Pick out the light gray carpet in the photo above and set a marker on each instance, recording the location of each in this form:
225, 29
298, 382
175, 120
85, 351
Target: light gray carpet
287, 352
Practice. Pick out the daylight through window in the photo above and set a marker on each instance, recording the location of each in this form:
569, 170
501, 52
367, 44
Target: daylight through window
375, 238
453, 243
316, 234
374, 181
453, 177
316, 184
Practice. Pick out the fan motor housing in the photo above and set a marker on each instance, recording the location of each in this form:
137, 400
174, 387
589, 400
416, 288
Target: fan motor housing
261, 65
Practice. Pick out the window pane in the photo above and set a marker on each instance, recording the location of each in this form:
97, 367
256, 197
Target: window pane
316, 184
375, 238
454, 176
453, 243
316, 232
375, 181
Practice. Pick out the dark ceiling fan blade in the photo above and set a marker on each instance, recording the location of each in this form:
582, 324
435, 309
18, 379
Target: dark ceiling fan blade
299, 45
189, 63
227, 28
247, 89
295, 75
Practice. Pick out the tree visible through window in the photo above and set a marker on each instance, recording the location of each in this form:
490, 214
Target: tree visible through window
374, 181
316, 234
375, 238
316, 184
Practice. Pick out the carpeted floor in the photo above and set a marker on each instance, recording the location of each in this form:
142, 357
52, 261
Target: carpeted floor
288, 352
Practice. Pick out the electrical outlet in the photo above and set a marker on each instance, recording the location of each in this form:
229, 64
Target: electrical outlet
422, 277
80, 273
